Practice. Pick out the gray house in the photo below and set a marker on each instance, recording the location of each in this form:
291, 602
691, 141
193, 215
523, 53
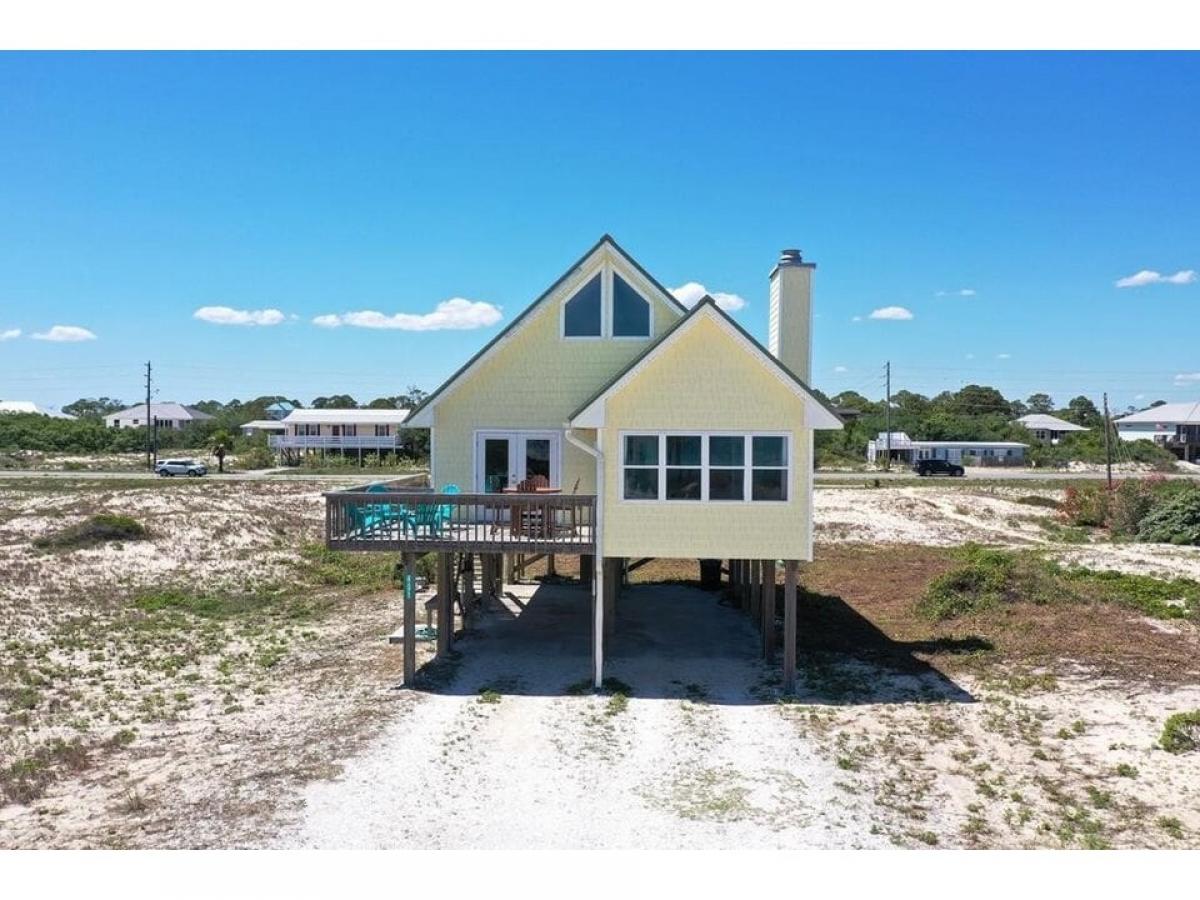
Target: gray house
164, 415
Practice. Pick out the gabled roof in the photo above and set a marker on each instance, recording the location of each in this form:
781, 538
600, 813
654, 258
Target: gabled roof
349, 416
818, 413
1044, 422
171, 411
428, 403
1166, 414
264, 425
28, 406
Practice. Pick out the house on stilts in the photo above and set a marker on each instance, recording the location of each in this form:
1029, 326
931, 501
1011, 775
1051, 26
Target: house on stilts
611, 422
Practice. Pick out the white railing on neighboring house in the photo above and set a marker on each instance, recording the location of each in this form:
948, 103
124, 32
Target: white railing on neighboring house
334, 442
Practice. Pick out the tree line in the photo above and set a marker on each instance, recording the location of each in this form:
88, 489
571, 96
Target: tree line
974, 413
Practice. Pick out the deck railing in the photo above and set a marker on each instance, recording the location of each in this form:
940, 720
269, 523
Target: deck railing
333, 442
420, 521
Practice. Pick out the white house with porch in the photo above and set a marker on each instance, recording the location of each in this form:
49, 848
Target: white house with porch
1047, 428
340, 431
907, 451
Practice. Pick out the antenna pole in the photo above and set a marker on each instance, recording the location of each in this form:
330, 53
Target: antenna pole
149, 425
887, 371
1107, 442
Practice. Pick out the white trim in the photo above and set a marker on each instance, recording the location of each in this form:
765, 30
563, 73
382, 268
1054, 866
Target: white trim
815, 415
706, 467
517, 438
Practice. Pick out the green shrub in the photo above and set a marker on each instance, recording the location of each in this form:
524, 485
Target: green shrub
98, 529
1181, 733
1128, 504
1178, 598
256, 458
1085, 505
1174, 520
983, 578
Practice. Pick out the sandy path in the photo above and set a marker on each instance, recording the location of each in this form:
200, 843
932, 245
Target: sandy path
695, 760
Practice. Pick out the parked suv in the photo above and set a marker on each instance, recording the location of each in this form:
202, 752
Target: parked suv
938, 467
169, 467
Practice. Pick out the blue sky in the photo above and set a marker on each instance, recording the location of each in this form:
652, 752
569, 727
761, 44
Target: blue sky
139, 188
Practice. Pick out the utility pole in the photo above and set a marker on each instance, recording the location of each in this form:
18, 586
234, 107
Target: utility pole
149, 424
887, 403
1107, 442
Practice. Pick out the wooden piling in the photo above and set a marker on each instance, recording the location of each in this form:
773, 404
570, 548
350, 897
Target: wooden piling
445, 601
768, 608
789, 626
410, 618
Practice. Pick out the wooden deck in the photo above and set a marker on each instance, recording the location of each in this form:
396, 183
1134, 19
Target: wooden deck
421, 521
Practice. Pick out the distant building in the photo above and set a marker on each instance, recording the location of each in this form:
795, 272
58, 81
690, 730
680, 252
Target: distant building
164, 415
280, 409
1173, 426
340, 431
257, 425
28, 406
906, 451
1048, 429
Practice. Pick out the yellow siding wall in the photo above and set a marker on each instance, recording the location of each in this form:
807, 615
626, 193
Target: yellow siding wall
704, 381
535, 380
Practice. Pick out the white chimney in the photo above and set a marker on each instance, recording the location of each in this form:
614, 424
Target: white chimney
790, 331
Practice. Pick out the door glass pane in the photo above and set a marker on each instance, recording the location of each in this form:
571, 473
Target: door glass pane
768, 451
683, 450
537, 458
581, 318
726, 484
727, 451
683, 484
641, 450
641, 484
495, 464
631, 313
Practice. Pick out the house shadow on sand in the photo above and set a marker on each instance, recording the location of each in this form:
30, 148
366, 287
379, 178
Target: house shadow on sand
673, 640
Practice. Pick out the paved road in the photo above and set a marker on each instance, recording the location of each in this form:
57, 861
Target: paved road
261, 475
822, 477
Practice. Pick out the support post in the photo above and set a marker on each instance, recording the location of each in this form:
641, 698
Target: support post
767, 601
506, 576
587, 564
789, 626
445, 601
468, 590
489, 587
598, 623
755, 590
739, 583
612, 585
410, 618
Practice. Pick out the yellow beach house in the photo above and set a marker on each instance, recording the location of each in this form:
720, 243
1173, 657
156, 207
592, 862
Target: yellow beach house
610, 421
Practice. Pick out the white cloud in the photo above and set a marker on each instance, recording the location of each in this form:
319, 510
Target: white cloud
1187, 378
227, 315
856, 318
961, 292
454, 314
1148, 276
892, 313
1003, 356
10, 334
840, 369
65, 334
693, 292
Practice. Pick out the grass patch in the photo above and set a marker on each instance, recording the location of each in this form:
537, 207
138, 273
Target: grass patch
985, 578
489, 695
1171, 825
98, 529
1181, 733
1125, 770
26, 779
339, 568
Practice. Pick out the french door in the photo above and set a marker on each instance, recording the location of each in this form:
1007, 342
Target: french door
506, 458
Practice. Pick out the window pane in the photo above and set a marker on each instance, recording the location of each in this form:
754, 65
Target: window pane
641, 484
768, 484
726, 484
631, 313
683, 484
537, 458
582, 317
768, 451
683, 450
641, 450
726, 451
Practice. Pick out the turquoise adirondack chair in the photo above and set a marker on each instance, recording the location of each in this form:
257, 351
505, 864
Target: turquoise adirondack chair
429, 517
372, 516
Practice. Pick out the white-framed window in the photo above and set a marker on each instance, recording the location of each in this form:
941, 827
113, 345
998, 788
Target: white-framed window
383, 431
717, 467
606, 305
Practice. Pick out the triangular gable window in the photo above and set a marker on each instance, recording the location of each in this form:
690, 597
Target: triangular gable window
631, 311
583, 315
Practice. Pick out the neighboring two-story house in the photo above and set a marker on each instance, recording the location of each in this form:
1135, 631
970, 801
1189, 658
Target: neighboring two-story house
688, 437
